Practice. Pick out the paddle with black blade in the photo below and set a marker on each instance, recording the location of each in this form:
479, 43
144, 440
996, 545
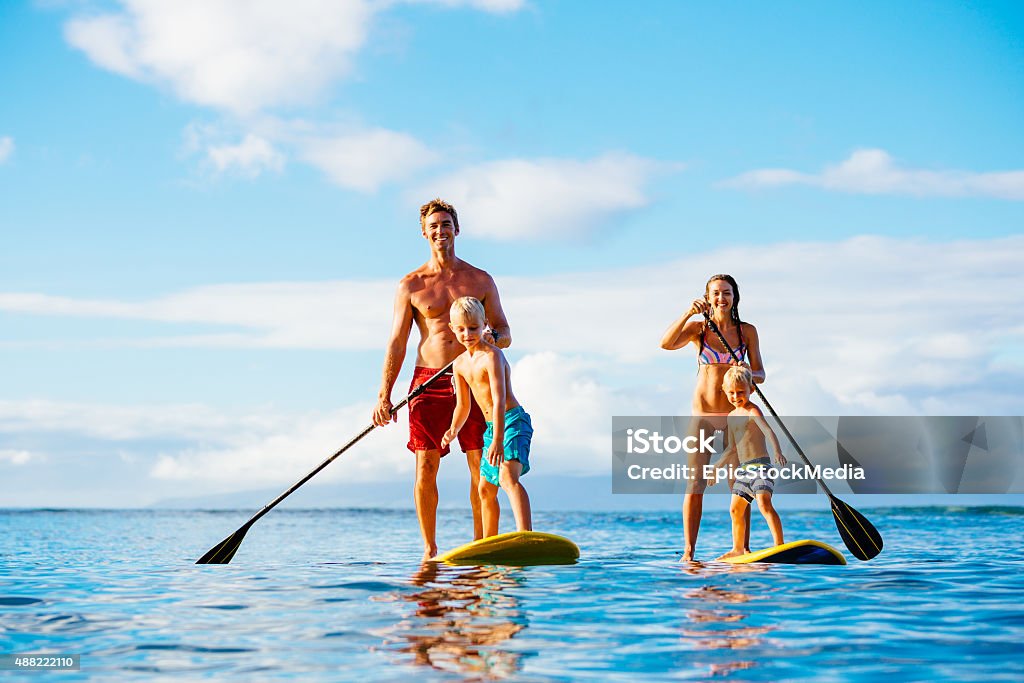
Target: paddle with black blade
225, 550
859, 535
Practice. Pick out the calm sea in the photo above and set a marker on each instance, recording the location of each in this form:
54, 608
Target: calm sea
339, 595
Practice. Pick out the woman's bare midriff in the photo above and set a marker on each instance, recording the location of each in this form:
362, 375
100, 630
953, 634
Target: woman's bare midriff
708, 396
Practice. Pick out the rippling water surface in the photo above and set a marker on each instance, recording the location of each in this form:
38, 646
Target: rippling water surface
340, 595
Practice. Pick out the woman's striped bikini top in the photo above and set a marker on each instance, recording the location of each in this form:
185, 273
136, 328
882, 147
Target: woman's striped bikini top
710, 356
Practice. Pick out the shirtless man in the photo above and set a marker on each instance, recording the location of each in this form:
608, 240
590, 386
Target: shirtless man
424, 297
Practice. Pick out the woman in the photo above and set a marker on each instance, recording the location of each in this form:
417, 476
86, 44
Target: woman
710, 406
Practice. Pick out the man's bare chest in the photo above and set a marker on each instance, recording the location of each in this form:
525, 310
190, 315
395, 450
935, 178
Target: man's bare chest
435, 300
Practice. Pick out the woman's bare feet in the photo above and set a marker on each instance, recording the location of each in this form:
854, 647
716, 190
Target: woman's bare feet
429, 553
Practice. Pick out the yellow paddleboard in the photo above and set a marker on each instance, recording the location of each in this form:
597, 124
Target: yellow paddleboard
517, 548
796, 552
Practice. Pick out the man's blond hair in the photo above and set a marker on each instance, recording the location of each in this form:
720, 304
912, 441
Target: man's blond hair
433, 206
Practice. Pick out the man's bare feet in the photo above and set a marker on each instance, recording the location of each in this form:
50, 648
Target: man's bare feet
687, 556
733, 553
429, 553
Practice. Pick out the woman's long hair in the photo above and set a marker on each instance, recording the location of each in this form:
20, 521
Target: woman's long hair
734, 314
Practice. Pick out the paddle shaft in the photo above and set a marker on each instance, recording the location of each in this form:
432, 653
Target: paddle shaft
768, 405
352, 442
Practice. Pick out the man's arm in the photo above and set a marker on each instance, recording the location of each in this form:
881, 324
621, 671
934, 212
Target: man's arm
495, 316
394, 356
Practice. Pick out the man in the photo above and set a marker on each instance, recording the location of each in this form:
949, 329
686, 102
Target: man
424, 297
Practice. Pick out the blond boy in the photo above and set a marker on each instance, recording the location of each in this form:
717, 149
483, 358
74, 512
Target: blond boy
748, 433
483, 370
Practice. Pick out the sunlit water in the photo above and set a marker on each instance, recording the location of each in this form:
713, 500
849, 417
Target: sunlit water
340, 595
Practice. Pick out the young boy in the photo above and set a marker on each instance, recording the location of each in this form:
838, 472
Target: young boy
748, 431
483, 370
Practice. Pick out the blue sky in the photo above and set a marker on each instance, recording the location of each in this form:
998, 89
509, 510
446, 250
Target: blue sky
204, 211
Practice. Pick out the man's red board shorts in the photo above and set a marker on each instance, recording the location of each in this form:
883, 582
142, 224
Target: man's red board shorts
430, 415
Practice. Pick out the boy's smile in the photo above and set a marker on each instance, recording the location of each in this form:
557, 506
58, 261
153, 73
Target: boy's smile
737, 394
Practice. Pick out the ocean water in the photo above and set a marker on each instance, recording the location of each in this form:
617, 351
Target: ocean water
340, 595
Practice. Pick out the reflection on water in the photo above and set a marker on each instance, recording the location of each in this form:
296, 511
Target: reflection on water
460, 617
717, 615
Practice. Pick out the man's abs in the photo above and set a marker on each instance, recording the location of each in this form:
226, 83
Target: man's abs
438, 349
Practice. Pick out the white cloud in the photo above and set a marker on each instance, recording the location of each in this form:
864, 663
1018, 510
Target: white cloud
248, 56
6, 148
109, 40
493, 6
16, 457
869, 325
269, 315
252, 457
127, 422
250, 157
565, 396
230, 54
874, 171
573, 197
237, 55
571, 405
852, 325
367, 159
352, 156
568, 404
231, 451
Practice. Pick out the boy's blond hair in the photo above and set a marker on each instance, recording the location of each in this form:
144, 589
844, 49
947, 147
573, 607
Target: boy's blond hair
469, 308
736, 374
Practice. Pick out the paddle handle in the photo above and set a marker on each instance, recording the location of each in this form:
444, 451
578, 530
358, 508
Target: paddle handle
352, 442
785, 429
